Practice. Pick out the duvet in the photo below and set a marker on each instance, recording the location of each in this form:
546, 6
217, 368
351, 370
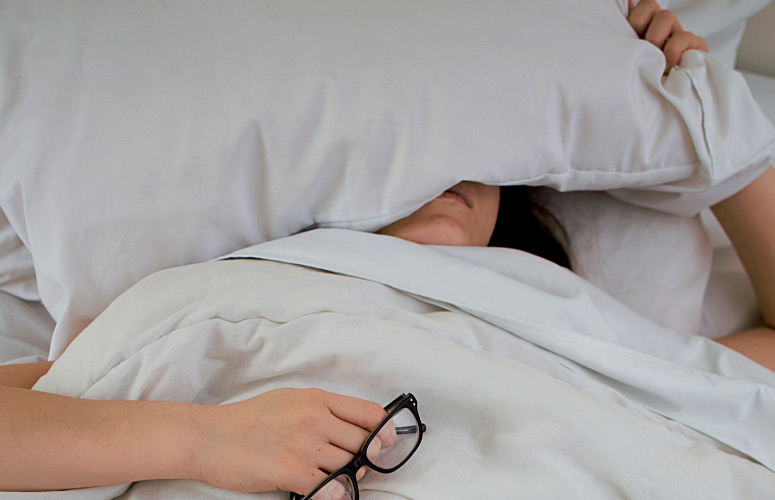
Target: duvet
532, 383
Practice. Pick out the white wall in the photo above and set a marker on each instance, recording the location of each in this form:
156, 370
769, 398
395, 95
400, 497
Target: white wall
757, 49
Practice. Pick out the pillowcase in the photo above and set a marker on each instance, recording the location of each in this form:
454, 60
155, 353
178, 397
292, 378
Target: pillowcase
17, 273
25, 330
139, 136
656, 263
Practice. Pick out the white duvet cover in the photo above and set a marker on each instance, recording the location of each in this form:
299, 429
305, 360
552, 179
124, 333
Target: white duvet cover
532, 383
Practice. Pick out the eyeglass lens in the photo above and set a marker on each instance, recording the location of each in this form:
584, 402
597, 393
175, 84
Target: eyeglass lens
395, 440
392, 445
337, 488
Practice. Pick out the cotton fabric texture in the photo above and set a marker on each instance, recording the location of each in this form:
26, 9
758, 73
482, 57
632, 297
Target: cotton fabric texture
139, 136
532, 382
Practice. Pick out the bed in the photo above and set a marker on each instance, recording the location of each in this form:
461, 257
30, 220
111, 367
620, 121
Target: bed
179, 222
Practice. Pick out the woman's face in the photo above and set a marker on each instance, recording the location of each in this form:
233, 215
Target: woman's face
463, 215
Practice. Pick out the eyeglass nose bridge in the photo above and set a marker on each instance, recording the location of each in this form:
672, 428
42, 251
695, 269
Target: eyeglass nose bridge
356, 464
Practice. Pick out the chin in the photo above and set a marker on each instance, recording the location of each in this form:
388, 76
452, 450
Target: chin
438, 231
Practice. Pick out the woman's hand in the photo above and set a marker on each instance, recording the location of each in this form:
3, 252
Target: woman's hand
284, 439
661, 28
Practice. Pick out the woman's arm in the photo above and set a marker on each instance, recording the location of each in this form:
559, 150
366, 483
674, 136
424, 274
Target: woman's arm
56, 442
23, 375
282, 439
748, 218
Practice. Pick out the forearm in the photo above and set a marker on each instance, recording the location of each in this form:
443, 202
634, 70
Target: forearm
23, 375
56, 442
748, 218
280, 439
757, 344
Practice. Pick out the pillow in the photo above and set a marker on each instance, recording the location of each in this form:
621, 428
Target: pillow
658, 264
139, 136
25, 330
17, 273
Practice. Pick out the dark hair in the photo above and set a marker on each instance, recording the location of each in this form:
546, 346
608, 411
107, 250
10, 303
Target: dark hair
524, 224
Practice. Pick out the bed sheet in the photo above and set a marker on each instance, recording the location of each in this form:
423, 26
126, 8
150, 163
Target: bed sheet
524, 373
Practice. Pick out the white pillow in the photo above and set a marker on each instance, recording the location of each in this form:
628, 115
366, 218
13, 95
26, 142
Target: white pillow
17, 273
138, 138
656, 263
25, 330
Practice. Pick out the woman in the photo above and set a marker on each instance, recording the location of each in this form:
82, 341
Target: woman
473, 214
285, 439
468, 214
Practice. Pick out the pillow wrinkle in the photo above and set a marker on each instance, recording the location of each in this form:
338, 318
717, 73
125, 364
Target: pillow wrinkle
192, 130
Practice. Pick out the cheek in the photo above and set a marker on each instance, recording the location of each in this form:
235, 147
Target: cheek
443, 231
435, 224
486, 218
484, 229
435, 229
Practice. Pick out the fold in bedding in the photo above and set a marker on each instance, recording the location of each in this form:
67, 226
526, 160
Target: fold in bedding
532, 383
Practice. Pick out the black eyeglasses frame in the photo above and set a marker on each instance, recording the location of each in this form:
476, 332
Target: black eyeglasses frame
360, 459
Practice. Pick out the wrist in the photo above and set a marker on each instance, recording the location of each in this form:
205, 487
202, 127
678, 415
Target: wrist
181, 436
146, 440
141, 440
199, 440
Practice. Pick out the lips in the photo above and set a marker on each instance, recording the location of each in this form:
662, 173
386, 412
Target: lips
459, 191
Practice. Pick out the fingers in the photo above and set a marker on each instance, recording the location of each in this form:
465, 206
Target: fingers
663, 25
662, 29
287, 439
641, 14
332, 491
304, 479
330, 458
652, 23
347, 425
374, 449
387, 435
364, 414
345, 435
679, 43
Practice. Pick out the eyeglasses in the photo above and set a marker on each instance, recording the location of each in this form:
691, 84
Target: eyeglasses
387, 448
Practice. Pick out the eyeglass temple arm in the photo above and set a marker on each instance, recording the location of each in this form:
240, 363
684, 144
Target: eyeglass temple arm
409, 429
